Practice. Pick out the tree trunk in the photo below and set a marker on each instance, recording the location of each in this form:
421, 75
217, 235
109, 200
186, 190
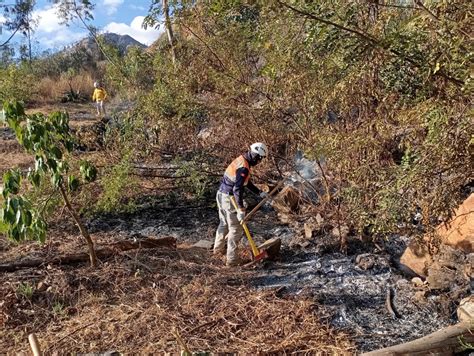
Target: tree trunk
104, 252
442, 342
169, 30
82, 228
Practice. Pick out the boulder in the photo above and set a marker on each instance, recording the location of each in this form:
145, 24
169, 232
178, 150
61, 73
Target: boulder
365, 261
459, 231
440, 277
287, 200
417, 282
204, 244
465, 310
417, 257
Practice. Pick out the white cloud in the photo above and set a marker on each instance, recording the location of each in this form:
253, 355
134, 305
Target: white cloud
134, 30
111, 6
137, 7
50, 33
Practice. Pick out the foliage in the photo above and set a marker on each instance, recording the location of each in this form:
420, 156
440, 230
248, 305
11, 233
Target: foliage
116, 181
195, 172
134, 71
49, 139
25, 289
16, 83
380, 93
59, 310
18, 18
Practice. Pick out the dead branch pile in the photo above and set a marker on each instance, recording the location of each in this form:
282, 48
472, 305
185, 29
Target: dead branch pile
146, 302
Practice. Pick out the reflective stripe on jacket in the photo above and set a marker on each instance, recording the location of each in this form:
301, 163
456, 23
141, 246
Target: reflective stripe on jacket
231, 171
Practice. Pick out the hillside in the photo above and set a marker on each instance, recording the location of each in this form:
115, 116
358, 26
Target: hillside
286, 177
122, 42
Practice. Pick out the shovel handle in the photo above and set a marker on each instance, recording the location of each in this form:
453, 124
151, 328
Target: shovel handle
263, 201
254, 248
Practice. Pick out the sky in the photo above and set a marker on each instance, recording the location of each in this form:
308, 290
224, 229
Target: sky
117, 16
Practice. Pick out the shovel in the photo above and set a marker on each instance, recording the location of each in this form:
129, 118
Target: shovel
270, 248
257, 255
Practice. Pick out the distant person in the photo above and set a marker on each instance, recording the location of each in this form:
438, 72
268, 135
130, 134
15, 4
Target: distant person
236, 178
99, 97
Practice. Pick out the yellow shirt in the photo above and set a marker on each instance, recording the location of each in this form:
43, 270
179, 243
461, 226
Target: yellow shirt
99, 94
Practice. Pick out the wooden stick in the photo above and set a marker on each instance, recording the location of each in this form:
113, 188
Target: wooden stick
444, 341
103, 252
263, 201
34, 344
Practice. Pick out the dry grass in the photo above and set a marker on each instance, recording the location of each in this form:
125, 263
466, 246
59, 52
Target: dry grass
52, 89
146, 302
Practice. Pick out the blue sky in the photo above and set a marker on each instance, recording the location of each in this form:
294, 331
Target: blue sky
118, 16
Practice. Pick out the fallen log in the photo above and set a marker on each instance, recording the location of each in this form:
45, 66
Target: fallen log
442, 342
102, 252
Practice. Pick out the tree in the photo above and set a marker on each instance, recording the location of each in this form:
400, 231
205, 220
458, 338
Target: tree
160, 8
49, 139
19, 19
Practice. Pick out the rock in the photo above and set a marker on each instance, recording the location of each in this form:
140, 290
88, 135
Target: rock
272, 246
308, 230
416, 257
440, 277
465, 310
459, 231
284, 218
319, 219
204, 133
417, 282
205, 244
42, 287
365, 261
287, 200
420, 296
341, 232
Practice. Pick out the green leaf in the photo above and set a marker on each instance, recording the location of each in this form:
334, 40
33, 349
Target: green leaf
18, 216
11, 182
39, 164
35, 178
88, 171
56, 179
56, 152
52, 164
69, 145
27, 218
72, 183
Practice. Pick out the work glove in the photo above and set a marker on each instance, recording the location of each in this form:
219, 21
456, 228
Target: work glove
240, 215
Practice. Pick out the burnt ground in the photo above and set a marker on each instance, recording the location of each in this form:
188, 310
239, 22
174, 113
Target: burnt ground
353, 298
350, 297
313, 299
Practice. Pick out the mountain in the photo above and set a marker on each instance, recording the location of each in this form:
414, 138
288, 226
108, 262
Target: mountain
122, 42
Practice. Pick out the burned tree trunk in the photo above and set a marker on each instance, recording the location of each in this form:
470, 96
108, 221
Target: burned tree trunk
445, 341
104, 252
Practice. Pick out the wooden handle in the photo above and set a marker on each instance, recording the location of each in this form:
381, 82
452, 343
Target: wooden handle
35, 347
254, 248
263, 201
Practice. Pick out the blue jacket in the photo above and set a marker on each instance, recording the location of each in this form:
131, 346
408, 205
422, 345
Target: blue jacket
237, 188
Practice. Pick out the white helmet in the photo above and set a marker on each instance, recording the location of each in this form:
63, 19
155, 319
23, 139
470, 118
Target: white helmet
96, 84
259, 148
